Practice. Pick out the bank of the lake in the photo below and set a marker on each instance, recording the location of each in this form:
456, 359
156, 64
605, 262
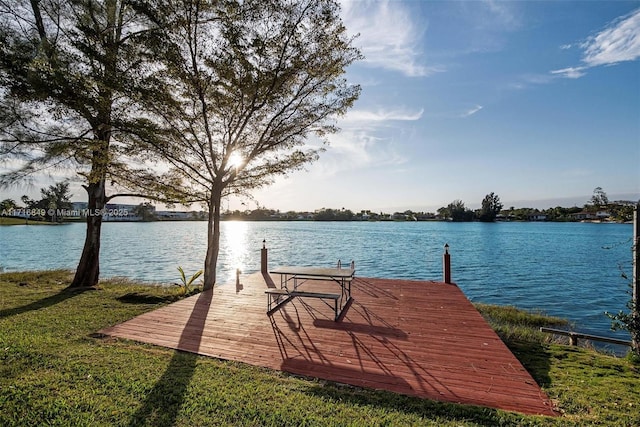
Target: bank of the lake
23, 221
571, 270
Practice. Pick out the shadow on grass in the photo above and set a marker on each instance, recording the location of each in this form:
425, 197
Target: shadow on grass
163, 403
45, 302
535, 358
138, 298
428, 409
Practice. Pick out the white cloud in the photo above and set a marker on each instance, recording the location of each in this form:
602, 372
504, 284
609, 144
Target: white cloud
398, 114
369, 138
472, 111
388, 36
571, 72
618, 42
359, 149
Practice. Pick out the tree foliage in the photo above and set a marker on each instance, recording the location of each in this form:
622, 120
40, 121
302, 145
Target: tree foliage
8, 205
599, 198
226, 93
251, 82
628, 320
55, 198
334, 215
71, 73
146, 211
491, 207
457, 211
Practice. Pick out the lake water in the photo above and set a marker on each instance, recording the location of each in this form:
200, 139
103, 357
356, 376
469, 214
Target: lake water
566, 269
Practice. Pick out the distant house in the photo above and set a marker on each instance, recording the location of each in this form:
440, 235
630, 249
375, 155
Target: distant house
590, 216
537, 216
425, 217
581, 216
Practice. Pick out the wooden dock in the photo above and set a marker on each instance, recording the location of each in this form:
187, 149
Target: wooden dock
417, 338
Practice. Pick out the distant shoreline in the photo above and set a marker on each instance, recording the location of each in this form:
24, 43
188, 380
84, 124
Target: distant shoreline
23, 221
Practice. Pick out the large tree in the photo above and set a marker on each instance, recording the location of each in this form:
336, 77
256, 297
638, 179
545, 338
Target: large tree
599, 198
253, 80
457, 211
70, 76
491, 207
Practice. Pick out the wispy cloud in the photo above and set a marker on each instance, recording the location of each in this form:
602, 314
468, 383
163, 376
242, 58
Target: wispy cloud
388, 36
354, 149
472, 111
369, 138
379, 115
502, 14
618, 42
570, 72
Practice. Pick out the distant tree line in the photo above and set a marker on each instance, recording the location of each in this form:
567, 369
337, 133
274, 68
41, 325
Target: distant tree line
491, 210
57, 197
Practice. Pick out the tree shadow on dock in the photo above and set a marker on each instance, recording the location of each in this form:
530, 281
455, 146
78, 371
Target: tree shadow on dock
163, 403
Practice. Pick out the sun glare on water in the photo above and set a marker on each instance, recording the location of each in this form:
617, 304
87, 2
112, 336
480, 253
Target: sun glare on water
235, 243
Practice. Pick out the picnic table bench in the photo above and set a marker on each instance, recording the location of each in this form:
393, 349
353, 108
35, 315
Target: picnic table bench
276, 298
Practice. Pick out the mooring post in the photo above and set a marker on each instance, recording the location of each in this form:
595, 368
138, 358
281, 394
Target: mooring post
446, 264
263, 258
573, 339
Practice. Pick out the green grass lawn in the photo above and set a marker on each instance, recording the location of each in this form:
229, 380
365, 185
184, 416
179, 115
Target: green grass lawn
55, 371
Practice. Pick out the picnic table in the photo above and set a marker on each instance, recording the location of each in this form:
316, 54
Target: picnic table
292, 277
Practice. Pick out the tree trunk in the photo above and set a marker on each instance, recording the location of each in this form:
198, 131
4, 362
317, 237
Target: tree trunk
88, 271
213, 240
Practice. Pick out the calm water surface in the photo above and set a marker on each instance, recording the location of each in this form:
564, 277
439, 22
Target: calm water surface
566, 269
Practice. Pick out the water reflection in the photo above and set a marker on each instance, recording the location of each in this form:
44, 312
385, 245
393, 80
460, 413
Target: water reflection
234, 250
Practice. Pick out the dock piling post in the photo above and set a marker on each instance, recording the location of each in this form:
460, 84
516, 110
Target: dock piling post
263, 258
446, 264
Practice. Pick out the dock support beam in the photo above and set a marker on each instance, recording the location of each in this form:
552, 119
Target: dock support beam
446, 264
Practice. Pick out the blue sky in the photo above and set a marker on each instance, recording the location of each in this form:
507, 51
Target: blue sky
536, 101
